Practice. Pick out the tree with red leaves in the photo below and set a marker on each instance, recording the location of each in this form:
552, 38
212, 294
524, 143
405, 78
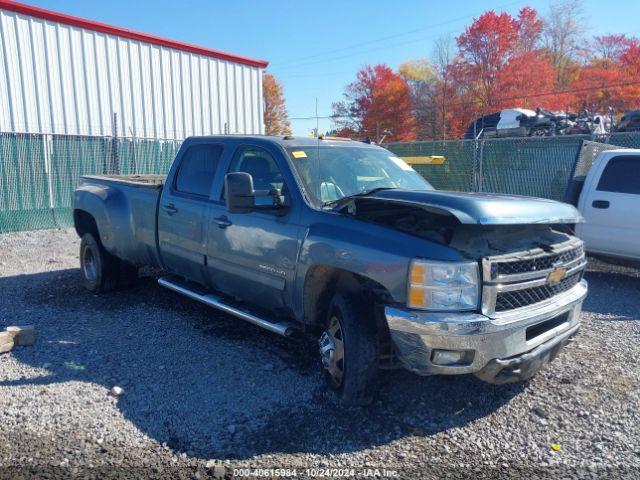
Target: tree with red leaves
529, 30
502, 62
524, 76
608, 79
611, 47
378, 103
485, 48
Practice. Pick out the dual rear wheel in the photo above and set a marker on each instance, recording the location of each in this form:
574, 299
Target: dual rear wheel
349, 349
101, 271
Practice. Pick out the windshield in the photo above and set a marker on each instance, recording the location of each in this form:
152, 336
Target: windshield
330, 173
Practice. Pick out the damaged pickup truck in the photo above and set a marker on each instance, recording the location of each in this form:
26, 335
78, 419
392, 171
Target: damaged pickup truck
344, 240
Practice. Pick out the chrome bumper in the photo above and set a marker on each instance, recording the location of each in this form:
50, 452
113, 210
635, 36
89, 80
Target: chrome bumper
416, 334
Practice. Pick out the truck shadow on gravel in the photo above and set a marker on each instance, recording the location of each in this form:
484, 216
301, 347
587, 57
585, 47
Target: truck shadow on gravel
611, 288
211, 386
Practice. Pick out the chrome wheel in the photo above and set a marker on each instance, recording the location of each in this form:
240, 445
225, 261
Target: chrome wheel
332, 351
89, 265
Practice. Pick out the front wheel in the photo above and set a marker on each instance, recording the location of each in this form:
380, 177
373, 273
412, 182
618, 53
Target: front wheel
349, 349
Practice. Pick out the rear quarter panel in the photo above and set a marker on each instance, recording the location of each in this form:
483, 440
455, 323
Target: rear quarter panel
125, 216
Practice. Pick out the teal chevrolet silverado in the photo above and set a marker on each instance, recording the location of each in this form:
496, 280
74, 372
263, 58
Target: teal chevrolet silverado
344, 240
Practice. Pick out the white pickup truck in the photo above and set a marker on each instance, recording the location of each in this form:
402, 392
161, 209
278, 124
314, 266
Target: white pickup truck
610, 203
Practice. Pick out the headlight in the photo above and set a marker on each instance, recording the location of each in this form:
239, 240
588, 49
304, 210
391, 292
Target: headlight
443, 285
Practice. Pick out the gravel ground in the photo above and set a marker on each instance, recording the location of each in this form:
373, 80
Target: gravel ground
204, 393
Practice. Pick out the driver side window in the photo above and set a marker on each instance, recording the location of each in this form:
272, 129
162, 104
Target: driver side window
262, 167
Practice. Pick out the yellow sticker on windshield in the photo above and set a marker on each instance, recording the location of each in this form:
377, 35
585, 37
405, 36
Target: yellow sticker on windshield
299, 154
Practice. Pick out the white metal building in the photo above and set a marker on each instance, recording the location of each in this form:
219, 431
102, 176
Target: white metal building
63, 74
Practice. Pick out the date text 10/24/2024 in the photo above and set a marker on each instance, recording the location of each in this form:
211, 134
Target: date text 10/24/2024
316, 472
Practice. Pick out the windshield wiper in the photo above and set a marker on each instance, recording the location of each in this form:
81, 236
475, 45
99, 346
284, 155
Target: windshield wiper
364, 193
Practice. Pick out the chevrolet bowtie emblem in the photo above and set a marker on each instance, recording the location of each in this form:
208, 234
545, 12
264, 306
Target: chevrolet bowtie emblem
556, 275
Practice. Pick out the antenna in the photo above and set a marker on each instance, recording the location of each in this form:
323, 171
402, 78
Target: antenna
317, 172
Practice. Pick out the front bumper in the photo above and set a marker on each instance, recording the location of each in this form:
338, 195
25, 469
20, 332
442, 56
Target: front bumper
497, 345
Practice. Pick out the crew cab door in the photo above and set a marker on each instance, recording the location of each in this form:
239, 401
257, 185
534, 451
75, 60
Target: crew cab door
610, 204
252, 256
184, 207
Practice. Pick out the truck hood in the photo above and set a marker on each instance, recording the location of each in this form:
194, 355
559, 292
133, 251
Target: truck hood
484, 208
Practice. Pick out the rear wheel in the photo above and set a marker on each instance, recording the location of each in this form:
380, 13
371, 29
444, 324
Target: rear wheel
100, 269
349, 349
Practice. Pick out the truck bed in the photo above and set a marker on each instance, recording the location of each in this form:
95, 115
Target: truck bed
127, 212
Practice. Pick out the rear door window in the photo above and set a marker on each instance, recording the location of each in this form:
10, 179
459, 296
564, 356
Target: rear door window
621, 175
197, 169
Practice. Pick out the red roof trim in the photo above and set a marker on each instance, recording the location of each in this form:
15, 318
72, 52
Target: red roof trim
123, 32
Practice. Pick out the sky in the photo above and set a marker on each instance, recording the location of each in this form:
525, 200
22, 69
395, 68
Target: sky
315, 49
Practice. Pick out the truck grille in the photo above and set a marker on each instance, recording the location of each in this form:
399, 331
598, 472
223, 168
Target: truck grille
519, 280
530, 296
537, 263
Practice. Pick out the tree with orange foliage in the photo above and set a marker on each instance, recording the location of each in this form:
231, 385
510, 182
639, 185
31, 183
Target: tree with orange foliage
529, 30
421, 79
502, 65
609, 79
521, 79
502, 62
276, 118
485, 48
378, 103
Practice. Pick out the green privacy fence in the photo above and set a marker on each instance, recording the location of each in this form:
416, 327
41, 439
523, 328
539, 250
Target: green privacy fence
535, 166
457, 170
38, 173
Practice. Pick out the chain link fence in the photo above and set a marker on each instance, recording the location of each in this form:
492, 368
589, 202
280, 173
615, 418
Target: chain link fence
38, 173
534, 166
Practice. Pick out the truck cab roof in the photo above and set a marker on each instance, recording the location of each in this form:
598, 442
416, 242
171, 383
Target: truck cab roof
288, 141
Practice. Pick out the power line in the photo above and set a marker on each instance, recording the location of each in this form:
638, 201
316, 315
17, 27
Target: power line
304, 60
560, 92
354, 54
534, 95
323, 74
322, 117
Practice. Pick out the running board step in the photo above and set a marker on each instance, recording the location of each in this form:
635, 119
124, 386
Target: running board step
282, 328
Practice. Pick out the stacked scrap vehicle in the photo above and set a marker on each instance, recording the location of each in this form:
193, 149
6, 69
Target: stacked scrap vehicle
629, 122
521, 122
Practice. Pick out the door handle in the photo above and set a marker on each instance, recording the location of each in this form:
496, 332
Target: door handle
170, 208
600, 204
223, 221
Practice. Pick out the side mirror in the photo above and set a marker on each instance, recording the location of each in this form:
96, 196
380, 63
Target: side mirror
238, 187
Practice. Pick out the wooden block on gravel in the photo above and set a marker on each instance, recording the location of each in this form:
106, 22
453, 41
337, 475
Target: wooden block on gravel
23, 336
6, 342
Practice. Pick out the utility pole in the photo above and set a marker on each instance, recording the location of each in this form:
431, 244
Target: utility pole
444, 109
132, 156
317, 120
114, 148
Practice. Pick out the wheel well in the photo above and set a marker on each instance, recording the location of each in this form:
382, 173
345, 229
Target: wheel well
85, 223
323, 281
